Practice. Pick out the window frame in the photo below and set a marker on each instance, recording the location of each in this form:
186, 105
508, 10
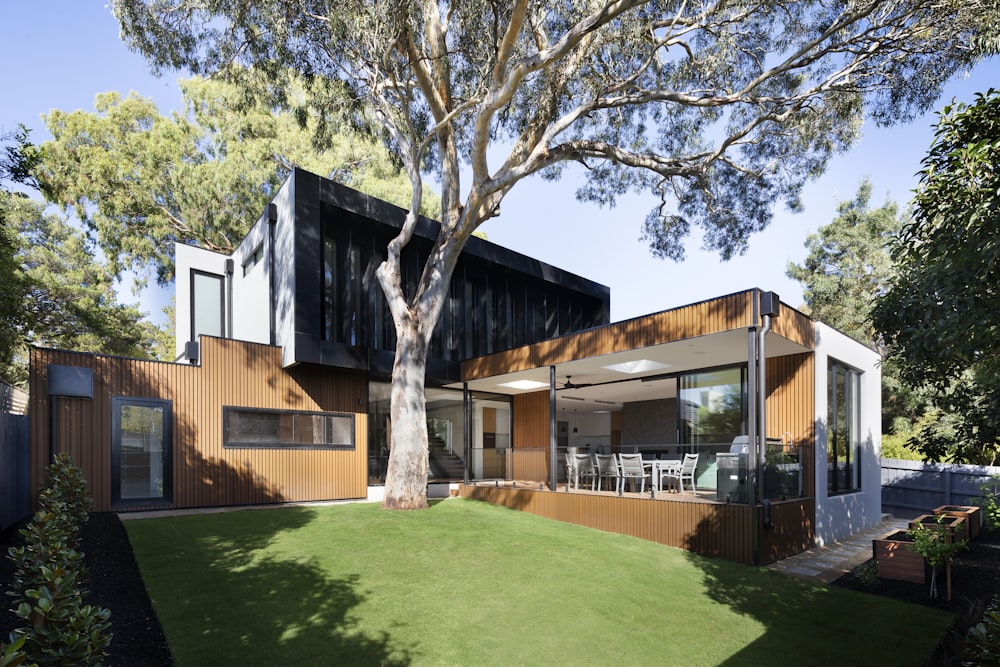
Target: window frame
244, 444
852, 383
194, 303
117, 402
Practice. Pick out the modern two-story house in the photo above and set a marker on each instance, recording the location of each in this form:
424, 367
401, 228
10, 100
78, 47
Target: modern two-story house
279, 392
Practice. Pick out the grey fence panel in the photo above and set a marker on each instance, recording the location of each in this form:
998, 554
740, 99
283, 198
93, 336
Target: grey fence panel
912, 487
14, 494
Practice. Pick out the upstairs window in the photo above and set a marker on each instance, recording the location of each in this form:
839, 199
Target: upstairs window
207, 300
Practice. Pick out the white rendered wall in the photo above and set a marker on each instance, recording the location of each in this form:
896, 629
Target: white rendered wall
186, 258
251, 292
284, 271
842, 515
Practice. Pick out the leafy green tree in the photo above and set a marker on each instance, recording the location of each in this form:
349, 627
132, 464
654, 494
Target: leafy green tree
722, 109
941, 314
142, 181
69, 299
848, 266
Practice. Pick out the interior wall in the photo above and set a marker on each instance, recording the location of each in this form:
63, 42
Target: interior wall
650, 422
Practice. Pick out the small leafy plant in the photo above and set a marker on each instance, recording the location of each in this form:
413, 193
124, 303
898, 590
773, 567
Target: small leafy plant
982, 645
938, 546
989, 500
867, 573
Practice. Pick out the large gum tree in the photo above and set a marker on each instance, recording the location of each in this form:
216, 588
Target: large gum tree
719, 108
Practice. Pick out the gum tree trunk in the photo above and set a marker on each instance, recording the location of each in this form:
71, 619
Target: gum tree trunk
406, 477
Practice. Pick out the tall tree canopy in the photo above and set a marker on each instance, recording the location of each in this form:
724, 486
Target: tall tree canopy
941, 314
849, 265
68, 298
720, 108
142, 181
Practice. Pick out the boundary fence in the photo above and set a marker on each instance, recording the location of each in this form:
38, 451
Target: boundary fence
912, 487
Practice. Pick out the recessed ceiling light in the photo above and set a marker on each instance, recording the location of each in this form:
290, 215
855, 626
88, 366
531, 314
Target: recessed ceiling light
639, 366
524, 384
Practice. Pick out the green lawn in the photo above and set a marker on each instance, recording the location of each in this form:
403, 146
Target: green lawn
466, 583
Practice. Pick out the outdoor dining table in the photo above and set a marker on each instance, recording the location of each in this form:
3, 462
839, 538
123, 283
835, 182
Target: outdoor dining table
656, 469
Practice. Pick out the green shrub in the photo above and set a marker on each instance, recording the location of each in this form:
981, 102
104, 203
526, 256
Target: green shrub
989, 500
982, 645
47, 582
933, 544
12, 655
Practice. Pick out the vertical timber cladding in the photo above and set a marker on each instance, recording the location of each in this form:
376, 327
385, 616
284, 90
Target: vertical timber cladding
791, 405
531, 431
713, 316
205, 473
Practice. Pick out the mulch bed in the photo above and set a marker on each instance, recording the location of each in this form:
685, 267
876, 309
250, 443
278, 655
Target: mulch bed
975, 580
139, 641
114, 583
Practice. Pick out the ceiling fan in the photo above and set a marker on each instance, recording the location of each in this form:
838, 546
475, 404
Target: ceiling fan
570, 385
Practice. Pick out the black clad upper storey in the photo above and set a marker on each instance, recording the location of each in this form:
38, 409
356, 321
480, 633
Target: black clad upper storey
498, 299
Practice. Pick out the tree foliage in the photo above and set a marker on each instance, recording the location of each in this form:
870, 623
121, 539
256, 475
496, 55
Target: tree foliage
848, 265
941, 314
142, 181
68, 297
722, 109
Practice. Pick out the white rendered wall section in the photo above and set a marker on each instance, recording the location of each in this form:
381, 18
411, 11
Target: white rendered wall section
186, 259
840, 516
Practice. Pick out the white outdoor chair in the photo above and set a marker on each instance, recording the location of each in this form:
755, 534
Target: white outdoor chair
686, 471
632, 469
607, 468
584, 469
572, 477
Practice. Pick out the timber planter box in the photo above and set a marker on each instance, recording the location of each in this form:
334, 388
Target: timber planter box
896, 561
971, 513
954, 527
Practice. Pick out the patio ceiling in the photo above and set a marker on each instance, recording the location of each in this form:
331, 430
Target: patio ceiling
609, 389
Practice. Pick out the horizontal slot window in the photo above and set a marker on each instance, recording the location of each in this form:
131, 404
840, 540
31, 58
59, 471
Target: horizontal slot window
286, 429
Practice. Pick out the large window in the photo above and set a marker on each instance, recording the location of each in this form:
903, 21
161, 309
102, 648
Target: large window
712, 406
207, 299
252, 427
843, 471
140, 452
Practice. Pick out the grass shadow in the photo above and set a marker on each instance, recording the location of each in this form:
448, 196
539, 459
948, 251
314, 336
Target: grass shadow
286, 610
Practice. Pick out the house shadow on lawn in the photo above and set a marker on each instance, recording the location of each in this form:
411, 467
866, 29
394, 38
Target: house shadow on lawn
244, 607
807, 623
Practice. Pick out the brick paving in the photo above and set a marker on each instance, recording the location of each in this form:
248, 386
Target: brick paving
827, 563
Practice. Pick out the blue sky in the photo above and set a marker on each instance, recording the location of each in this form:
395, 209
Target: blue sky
59, 54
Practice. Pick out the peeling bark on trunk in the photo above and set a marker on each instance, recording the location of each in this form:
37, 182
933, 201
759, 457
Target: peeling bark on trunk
406, 478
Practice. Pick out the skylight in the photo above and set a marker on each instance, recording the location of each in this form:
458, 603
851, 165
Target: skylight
638, 366
524, 384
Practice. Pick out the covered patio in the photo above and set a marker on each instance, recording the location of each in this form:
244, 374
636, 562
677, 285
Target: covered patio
730, 381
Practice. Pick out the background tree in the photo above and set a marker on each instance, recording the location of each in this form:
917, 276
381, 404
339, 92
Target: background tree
722, 109
68, 299
941, 314
142, 181
847, 268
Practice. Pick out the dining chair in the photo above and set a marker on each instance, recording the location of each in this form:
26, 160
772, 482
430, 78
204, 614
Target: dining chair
584, 469
689, 467
607, 468
632, 469
572, 476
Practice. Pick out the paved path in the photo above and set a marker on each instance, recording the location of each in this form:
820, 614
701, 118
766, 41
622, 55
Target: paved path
829, 562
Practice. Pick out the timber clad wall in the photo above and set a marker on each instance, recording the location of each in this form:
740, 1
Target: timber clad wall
716, 315
232, 373
709, 529
791, 408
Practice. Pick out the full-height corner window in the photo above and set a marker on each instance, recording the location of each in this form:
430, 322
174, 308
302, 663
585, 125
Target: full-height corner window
207, 304
140, 450
843, 471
